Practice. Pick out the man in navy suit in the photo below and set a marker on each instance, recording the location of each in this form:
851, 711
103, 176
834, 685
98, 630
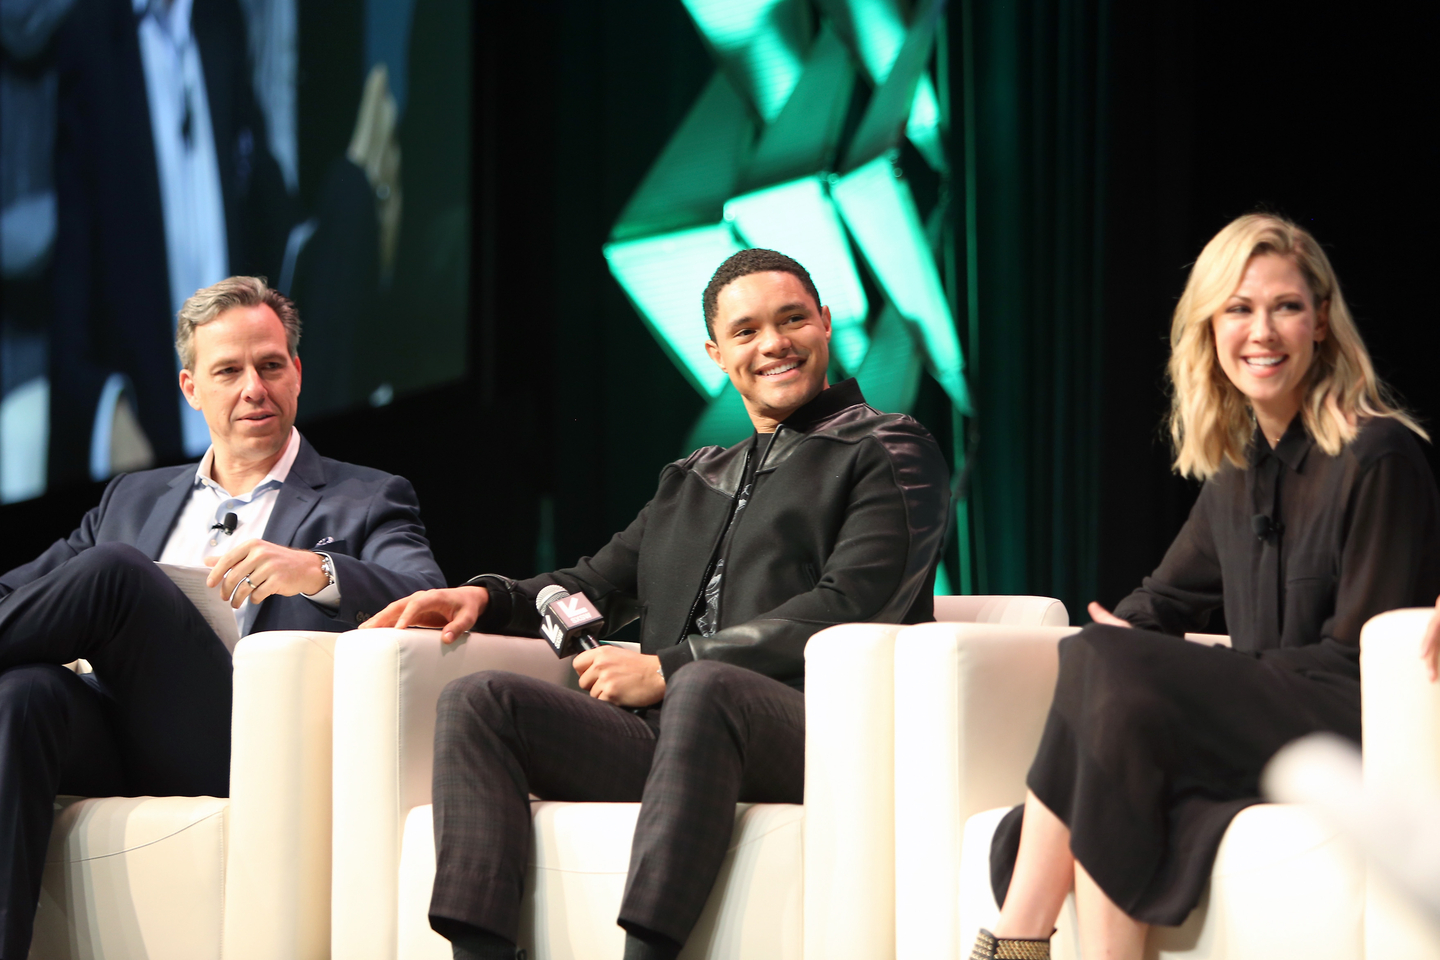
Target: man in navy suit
296, 541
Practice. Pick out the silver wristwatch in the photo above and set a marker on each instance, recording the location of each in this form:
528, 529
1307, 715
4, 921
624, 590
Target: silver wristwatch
327, 567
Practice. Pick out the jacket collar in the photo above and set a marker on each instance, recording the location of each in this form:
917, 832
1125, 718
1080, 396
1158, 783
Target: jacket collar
298, 496
296, 499
164, 513
723, 471
800, 424
824, 405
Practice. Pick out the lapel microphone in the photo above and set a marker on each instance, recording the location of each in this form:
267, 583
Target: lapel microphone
1266, 528
228, 526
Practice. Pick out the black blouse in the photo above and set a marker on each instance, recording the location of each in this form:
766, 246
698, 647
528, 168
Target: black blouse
1303, 548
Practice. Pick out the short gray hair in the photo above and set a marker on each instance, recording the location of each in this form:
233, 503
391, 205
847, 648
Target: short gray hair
207, 304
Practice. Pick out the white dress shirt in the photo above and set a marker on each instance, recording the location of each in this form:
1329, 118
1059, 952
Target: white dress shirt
197, 247
193, 538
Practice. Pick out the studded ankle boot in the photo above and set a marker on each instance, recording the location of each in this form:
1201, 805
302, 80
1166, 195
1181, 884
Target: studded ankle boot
990, 947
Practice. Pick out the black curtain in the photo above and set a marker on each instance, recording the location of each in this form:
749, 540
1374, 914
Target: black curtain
1032, 84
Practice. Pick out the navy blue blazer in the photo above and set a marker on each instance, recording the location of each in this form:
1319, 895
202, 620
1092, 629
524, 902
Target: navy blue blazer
370, 519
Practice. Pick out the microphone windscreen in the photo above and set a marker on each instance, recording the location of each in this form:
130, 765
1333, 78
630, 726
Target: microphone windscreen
547, 594
1261, 525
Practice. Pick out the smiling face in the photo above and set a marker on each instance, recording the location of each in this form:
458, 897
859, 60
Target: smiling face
773, 341
245, 382
1265, 338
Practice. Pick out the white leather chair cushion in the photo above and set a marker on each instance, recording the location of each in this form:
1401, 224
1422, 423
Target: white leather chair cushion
579, 856
1283, 885
134, 878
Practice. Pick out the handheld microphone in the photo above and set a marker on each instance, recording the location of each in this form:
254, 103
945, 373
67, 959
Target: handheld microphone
1265, 528
568, 620
228, 525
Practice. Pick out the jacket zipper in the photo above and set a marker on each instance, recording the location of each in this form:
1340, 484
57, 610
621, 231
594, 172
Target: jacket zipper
710, 567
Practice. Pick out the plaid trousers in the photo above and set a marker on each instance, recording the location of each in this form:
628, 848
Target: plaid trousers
725, 735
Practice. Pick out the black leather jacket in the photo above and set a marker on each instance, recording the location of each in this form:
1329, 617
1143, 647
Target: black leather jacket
844, 525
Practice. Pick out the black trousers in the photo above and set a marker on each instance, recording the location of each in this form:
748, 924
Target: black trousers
724, 735
153, 719
1154, 743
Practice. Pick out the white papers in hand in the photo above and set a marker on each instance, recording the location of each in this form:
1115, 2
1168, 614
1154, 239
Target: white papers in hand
208, 600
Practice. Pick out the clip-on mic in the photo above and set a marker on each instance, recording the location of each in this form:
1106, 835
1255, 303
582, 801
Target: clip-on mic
568, 620
227, 526
1265, 528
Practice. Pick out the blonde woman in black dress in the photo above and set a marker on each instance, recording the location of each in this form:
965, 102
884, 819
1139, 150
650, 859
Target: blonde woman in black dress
1318, 512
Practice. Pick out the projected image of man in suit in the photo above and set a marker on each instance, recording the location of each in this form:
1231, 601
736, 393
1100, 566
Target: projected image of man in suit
296, 541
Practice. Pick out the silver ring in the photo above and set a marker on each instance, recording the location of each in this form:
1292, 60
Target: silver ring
237, 589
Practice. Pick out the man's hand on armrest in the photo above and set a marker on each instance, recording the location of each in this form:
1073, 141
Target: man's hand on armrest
454, 610
621, 677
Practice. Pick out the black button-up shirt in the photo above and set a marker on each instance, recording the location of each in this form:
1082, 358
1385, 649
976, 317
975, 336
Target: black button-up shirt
1302, 548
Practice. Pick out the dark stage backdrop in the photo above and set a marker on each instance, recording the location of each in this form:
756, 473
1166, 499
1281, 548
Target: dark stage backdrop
1100, 144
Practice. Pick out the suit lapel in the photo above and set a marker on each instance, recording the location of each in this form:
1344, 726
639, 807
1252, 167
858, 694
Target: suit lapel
298, 496
156, 530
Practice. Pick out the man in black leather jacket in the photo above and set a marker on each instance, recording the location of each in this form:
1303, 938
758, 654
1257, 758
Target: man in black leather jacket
830, 513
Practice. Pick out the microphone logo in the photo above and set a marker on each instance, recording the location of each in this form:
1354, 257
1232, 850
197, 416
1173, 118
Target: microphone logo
567, 620
575, 610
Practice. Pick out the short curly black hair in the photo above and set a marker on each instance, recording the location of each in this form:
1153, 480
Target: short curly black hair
744, 263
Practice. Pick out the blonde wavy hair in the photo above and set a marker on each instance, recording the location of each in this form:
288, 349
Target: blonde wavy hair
1210, 420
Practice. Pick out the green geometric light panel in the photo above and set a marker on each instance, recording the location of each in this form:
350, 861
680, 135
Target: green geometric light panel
763, 159
662, 276
798, 218
880, 211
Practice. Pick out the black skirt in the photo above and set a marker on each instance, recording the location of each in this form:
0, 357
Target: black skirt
1154, 743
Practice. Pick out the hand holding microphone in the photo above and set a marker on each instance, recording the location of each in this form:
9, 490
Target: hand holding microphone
568, 620
613, 674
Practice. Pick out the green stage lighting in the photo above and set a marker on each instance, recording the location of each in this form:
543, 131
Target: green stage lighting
664, 277
876, 30
750, 166
724, 422
797, 219
761, 43
890, 375
880, 211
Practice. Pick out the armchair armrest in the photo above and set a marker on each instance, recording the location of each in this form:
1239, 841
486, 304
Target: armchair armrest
277, 874
387, 683
849, 905
1400, 722
970, 705
1400, 707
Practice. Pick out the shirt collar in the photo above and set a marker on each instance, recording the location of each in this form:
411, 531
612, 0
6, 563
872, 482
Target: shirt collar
274, 478
1294, 444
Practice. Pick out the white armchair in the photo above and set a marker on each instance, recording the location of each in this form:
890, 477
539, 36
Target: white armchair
1283, 883
813, 880
816, 880
190, 878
